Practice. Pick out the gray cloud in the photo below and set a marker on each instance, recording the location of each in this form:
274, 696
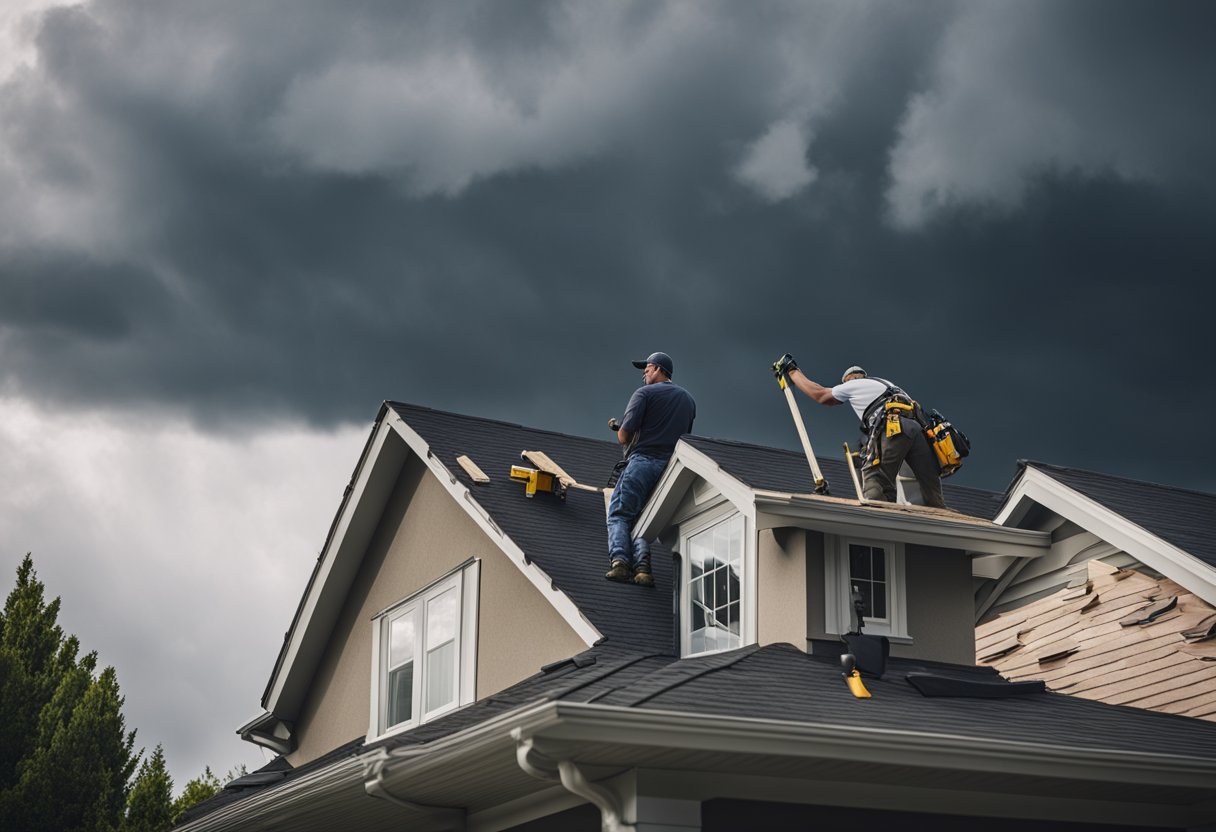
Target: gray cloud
246, 214
1018, 90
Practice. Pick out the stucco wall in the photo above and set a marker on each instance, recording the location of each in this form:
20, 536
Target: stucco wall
422, 535
781, 587
941, 610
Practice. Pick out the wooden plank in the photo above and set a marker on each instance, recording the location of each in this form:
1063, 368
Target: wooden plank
1170, 668
1171, 683
544, 463
470, 468
1188, 687
1056, 650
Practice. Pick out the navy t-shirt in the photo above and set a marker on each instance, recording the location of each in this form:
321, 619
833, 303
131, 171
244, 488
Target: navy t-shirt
659, 414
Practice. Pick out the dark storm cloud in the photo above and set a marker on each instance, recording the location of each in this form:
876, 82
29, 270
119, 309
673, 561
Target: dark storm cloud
256, 211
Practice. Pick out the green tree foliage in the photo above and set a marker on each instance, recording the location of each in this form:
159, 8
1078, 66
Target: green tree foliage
65, 756
150, 807
203, 787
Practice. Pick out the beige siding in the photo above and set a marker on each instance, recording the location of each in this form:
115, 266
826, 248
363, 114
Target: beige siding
423, 535
781, 586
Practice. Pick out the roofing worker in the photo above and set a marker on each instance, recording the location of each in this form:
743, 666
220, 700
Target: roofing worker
658, 414
890, 419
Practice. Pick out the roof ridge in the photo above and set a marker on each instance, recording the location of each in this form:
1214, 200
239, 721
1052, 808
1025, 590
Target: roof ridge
484, 420
1068, 468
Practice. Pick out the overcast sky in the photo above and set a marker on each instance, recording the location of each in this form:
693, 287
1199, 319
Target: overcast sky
229, 230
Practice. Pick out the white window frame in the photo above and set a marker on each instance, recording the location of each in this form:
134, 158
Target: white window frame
716, 516
838, 601
464, 581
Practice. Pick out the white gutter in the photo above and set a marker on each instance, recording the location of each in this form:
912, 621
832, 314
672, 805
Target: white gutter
592, 723
584, 724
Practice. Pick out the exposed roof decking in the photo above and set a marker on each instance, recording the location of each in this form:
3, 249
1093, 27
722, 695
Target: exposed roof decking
1148, 665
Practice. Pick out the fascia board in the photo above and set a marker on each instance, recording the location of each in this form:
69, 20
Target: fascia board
304, 627
778, 508
687, 458
1146, 547
560, 601
577, 724
587, 723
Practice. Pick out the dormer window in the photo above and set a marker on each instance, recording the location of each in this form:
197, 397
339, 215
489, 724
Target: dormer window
712, 598
876, 569
423, 653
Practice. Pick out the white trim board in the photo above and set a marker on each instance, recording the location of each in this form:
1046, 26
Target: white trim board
1112, 527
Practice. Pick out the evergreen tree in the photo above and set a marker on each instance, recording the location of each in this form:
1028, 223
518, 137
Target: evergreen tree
150, 807
66, 756
203, 787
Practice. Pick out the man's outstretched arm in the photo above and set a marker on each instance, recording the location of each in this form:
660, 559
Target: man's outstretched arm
816, 391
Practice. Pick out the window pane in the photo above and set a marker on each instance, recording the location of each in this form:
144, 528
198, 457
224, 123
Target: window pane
859, 562
879, 604
401, 639
736, 540
879, 561
442, 614
698, 616
440, 676
732, 616
400, 694
715, 566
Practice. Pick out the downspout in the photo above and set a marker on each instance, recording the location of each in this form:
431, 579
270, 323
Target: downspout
567, 772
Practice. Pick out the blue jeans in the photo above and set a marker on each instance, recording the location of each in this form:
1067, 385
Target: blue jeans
631, 493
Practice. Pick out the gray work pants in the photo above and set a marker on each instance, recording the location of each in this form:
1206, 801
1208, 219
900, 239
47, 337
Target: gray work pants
911, 446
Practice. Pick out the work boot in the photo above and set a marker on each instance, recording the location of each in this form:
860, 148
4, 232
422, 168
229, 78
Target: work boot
619, 572
642, 576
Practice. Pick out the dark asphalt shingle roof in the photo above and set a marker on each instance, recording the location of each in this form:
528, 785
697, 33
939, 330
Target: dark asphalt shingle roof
1180, 516
569, 540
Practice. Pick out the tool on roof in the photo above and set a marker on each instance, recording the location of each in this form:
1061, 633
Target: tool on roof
536, 480
849, 461
543, 462
865, 654
852, 678
781, 371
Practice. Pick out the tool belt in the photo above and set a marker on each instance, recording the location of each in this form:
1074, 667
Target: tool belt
950, 445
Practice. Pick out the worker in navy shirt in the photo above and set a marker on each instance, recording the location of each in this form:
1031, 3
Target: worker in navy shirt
658, 414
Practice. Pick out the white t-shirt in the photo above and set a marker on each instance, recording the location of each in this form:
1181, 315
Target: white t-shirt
860, 392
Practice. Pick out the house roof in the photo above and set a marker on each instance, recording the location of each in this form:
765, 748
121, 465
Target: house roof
779, 684
634, 670
1182, 517
568, 539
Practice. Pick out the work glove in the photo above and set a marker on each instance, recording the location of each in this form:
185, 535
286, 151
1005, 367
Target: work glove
783, 365
613, 424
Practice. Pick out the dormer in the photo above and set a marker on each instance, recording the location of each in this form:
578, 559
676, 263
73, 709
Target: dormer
761, 559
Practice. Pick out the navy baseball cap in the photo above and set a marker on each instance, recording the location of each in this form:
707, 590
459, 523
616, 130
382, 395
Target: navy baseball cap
659, 359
